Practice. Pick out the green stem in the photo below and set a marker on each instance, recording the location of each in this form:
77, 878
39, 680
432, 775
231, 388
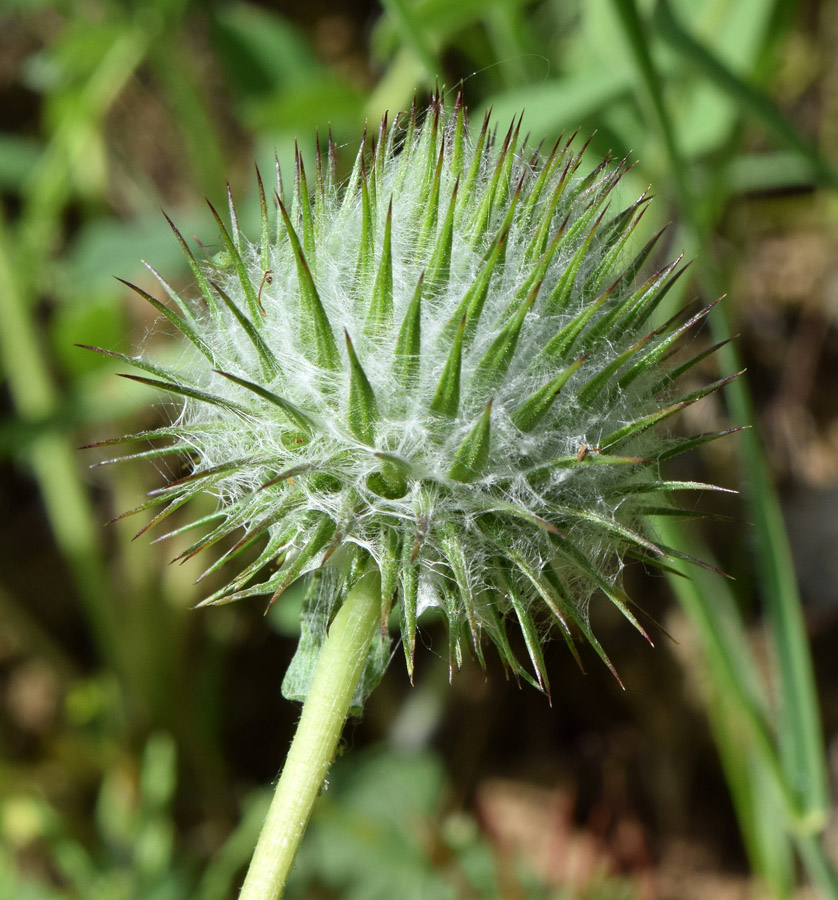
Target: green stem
820, 868
337, 675
24, 361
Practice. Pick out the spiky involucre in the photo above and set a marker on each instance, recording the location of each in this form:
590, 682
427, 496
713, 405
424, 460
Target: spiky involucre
444, 365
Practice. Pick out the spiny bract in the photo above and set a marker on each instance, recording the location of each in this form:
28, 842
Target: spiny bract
444, 365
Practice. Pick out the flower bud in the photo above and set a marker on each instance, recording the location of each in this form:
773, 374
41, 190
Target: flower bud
445, 366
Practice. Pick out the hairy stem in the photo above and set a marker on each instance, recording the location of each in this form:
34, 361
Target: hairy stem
325, 710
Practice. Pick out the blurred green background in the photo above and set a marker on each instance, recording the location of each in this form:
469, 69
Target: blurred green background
138, 737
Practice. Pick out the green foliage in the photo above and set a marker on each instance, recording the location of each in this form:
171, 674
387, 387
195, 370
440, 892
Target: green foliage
228, 82
134, 825
381, 829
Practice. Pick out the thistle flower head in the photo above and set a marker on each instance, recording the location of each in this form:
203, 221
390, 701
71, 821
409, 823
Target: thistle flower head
444, 366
